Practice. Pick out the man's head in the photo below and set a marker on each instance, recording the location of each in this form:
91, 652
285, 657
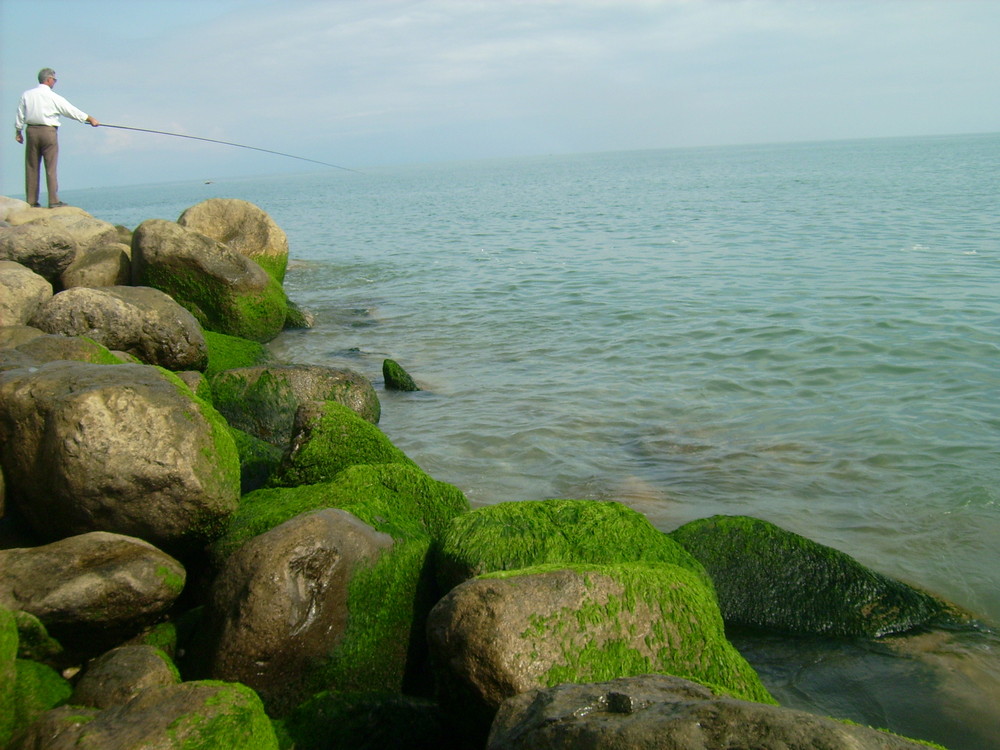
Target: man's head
45, 74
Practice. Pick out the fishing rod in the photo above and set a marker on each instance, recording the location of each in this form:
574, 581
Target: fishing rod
228, 143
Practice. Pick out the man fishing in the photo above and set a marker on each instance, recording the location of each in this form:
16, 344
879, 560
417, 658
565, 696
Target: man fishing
39, 110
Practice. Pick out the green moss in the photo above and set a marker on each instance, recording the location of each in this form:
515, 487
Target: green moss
397, 499
262, 403
38, 688
274, 265
8, 673
396, 378
257, 460
34, 641
241, 724
513, 535
367, 721
767, 577
227, 352
171, 579
691, 642
162, 637
334, 441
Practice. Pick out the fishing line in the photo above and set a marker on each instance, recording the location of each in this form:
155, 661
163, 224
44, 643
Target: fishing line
228, 143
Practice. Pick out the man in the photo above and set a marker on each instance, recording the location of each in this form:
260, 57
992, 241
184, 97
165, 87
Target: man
40, 109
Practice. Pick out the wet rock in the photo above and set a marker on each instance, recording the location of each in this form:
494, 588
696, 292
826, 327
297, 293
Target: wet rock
22, 292
667, 713
245, 228
90, 589
279, 607
142, 321
226, 291
38, 350
124, 448
396, 378
119, 675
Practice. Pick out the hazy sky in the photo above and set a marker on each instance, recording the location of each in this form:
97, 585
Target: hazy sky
371, 82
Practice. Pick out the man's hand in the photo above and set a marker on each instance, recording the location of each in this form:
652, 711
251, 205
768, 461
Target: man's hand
18, 137
93, 123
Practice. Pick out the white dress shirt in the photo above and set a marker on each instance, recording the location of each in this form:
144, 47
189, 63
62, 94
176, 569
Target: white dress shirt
43, 106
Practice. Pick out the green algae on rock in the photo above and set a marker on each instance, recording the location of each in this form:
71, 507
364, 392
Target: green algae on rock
396, 378
226, 352
329, 438
767, 577
520, 534
37, 688
8, 672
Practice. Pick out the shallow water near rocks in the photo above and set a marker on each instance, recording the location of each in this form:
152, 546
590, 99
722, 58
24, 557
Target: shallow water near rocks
805, 333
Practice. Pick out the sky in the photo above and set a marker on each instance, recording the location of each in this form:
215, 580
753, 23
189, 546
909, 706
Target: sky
367, 83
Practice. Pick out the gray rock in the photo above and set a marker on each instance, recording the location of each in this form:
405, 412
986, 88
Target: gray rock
121, 448
278, 607
46, 250
10, 206
142, 321
245, 228
107, 265
667, 713
50, 347
14, 336
115, 677
263, 400
169, 717
89, 233
22, 292
226, 291
92, 589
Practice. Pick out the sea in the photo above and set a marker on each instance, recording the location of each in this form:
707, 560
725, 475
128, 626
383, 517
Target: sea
806, 333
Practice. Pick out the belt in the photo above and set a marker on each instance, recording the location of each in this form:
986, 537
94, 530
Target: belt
35, 125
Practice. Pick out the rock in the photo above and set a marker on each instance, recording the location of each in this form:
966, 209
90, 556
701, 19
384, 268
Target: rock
141, 321
54, 347
13, 336
10, 206
667, 713
8, 672
117, 676
22, 292
279, 607
171, 717
502, 634
227, 292
46, 250
328, 438
37, 688
258, 460
245, 228
34, 641
396, 378
263, 400
126, 449
770, 578
230, 352
107, 265
89, 233
521, 534
31, 215
91, 589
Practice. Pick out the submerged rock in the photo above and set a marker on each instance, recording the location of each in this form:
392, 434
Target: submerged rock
396, 378
767, 577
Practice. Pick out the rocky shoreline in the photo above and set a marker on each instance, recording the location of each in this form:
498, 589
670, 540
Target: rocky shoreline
203, 547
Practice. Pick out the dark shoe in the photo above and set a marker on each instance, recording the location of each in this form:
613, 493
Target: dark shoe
60, 204
36, 205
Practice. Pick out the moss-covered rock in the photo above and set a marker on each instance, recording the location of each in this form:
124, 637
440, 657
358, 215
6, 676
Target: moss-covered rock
328, 439
258, 460
227, 352
37, 688
34, 641
513, 535
506, 632
397, 499
767, 577
396, 378
367, 721
8, 673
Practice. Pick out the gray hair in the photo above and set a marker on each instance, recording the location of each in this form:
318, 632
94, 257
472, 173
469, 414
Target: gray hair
45, 74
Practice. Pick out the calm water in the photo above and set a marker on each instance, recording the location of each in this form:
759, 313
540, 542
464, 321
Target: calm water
805, 333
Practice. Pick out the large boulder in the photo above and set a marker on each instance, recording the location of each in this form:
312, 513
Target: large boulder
107, 265
504, 633
226, 291
91, 589
127, 449
770, 578
279, 605
327, 438
12, 336
22, 292
9, 206
52, 347
667, 713
189, 715
263, 400
245, 228
521, 534
47, 250
117, 676
89, 232
142, 321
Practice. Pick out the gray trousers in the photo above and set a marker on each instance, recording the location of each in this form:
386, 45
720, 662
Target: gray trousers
41, 143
